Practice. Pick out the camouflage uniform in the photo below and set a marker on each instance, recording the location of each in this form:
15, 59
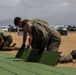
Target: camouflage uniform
36, 20
33, 20
7, 40
44, 36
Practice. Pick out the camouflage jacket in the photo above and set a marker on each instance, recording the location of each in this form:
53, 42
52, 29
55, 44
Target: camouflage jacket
43, 33
4, 34
33, 20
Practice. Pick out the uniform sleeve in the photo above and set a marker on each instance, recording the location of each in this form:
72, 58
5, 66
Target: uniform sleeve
43, 35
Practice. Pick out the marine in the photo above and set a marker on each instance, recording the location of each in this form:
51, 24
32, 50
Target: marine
18, 22
6, 40
43, 37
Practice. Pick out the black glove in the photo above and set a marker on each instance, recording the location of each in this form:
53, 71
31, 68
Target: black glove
22, 47
41, 50
28, 47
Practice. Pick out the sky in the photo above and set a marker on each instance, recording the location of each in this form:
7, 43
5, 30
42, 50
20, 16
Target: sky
60, 12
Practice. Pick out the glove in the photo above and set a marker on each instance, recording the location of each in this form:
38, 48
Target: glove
28, 47
41, 50
22, 47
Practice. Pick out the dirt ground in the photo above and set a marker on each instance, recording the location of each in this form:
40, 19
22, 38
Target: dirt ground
67, 45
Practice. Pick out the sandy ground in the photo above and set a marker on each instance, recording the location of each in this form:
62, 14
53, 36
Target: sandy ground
67, 45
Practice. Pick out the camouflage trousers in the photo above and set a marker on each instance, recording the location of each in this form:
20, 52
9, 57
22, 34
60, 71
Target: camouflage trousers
53, 45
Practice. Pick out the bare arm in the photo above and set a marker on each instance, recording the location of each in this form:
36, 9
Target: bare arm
30, 39
24, 40
24, 36
2, 42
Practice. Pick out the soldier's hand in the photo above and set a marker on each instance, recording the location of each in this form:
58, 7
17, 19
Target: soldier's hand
22, 47
28, 47
41, 50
